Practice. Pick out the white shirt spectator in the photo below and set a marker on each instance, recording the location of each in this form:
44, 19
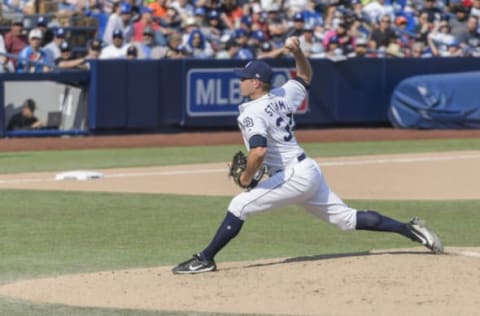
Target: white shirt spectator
114, 52
295, 6
7, 67
376, 9
52, 50
117, 21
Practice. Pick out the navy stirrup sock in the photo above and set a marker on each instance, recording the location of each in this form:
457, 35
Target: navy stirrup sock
374, 221
229, 228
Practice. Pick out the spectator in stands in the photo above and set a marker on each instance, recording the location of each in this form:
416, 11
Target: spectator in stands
53, 48
423, 27
132, 52
246, 22
175, 50
361, 48
475, 9
189, 25
440, 40
96, 47
65, 7
458, 20
404, 38
341, 32
309, 43
42, 25
146, 20
184, 8
159, 8
298, 25
66, 60
214, 28
233, 13
200, 16
25, 119
333, 50
147, 48
228, 50
6, 65
383, 34
277, 28
266, 50
377, 9
15, 41
245, 52
470, 37
292, 7
256, 39
93, 52
171, 22
118, 48
434, 13
419, 51
33, 58
119, 20
198, 46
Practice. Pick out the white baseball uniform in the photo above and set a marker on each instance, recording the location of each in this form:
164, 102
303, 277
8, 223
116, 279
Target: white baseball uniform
294, 178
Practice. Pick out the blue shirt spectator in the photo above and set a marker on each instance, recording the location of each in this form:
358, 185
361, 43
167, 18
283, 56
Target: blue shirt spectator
33, 58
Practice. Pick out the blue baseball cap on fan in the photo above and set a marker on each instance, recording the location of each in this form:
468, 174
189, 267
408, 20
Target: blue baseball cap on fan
256, 69
125, 8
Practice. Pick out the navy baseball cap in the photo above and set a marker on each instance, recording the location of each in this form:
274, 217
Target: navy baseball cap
117, 33
259, 35
60, 32
247, 20
132, 51
65, 47
256, 69
200, 11
214, 15
298, 17
240, 33
42, 21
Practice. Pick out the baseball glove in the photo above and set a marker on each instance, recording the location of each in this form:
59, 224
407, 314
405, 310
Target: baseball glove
238, 165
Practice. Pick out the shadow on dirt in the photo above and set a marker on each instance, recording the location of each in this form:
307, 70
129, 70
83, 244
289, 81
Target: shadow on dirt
338, 256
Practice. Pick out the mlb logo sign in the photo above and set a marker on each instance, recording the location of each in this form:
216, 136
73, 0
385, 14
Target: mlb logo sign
216, 92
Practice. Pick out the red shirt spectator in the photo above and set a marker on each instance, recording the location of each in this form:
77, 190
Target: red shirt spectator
145, 21
15, 41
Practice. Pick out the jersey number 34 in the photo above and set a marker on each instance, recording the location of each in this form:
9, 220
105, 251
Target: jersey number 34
287, 126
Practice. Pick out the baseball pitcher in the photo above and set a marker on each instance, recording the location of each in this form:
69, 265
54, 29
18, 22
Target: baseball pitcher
267, 126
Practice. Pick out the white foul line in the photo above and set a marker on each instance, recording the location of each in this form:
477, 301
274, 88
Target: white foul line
224, 170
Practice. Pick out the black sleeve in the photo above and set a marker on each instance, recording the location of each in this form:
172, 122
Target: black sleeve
257, 141
302, 82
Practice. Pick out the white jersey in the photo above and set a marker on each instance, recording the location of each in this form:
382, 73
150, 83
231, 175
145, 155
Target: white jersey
294, 177
271, 116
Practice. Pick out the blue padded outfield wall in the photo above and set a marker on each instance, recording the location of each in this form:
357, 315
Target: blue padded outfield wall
437, 102
150, 96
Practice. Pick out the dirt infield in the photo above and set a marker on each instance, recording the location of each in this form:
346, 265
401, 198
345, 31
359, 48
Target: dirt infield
396, 282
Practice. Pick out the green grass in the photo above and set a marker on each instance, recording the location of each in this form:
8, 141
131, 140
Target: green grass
135, 157
53, 233
112, 231
68, 232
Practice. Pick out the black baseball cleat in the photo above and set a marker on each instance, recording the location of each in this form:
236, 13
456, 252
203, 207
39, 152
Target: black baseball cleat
195, 265
424, 235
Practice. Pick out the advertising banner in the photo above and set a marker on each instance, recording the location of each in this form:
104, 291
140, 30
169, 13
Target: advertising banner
216, 92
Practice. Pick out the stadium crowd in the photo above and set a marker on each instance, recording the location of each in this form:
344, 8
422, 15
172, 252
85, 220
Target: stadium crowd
242, 29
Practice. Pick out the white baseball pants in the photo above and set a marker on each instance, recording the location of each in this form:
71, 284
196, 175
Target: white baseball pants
302, 184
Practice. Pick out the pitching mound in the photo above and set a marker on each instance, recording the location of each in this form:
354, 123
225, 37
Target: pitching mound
396, 282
